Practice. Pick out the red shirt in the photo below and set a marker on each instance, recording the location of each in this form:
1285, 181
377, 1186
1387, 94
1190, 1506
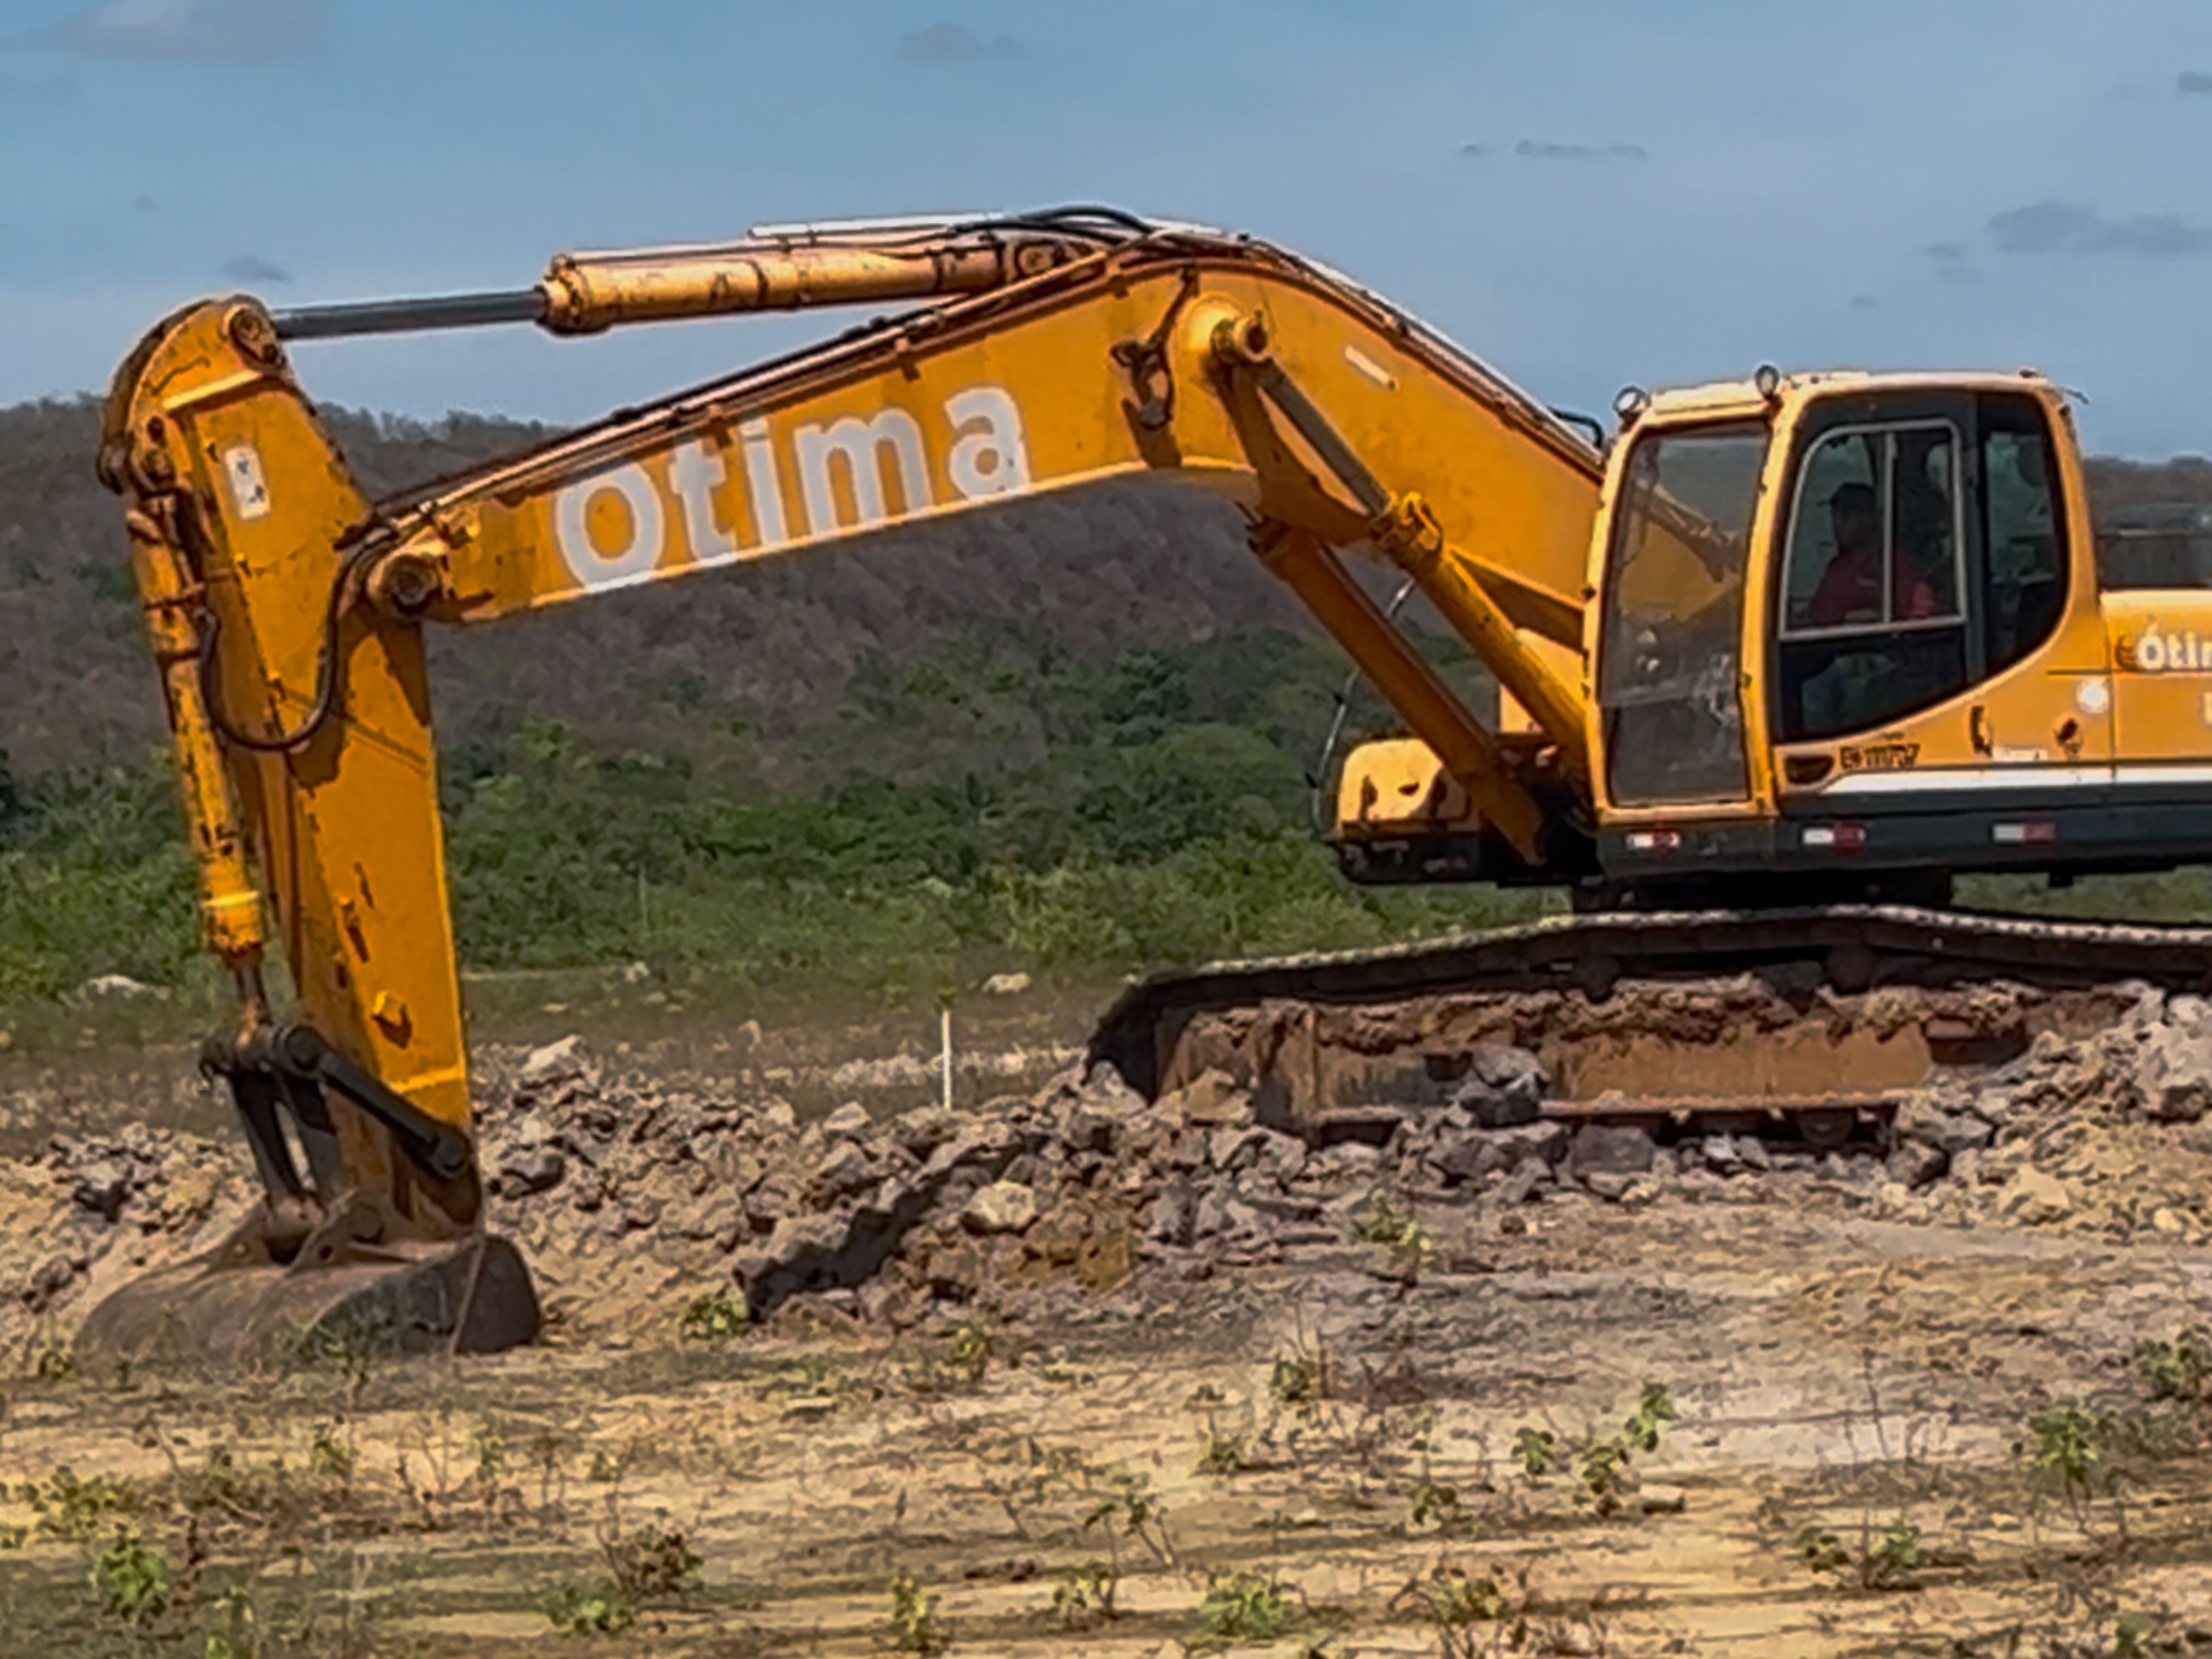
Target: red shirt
1850, 591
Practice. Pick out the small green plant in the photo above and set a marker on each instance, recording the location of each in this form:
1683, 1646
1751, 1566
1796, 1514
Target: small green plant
719, 1315
55, 1364
1601, 1468
1242, 1606
1299, 1381
974, 1345
330, 1456
1397, 1230
1430, 1504
1221, 1455
1084, 1596
1122, 1506
76, 1511
2066, 1445
1056, 1466
916, 1626
1889, 1560
132, 1581
1455, 1603
1537, 1452
1894, 1560
2131, 1636
598, 1609
2179, 1369
1603, 1464
1655, 1410
652, 1563
488, 1450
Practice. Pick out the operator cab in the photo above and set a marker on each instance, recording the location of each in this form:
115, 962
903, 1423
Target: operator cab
1850, 623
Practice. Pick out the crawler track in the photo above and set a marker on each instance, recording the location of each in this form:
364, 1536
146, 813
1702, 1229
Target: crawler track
1781, 1013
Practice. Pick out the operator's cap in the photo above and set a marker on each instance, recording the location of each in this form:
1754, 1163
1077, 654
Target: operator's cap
1852, 498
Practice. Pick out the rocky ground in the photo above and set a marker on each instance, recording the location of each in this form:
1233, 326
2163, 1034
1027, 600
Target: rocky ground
1903, 1382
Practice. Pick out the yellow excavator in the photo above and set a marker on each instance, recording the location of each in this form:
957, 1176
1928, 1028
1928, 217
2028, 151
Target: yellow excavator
1778, 658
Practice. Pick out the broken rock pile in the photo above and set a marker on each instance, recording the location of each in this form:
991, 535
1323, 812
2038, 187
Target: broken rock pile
91, 1211
630, 1194
2102, 1133
1082, 1178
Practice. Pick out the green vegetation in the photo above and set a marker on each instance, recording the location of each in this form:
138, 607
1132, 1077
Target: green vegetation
1083, 1596
2178, 1370
2066, 1446
1221, 1453
971, 1350
1299, 1381
1537, 1452
916, 1626
96, 877
1455, 1604
596, 1609
651, 1563
132, 1581
1603, 1465
1889, 1560
1397, 1230
718, 1315
1242, 1607
988, 807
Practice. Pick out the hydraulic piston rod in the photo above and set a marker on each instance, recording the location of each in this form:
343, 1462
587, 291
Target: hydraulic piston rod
522, 304
585, 293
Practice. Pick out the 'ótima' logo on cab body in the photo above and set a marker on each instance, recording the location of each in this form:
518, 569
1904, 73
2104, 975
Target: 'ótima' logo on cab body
2155, 651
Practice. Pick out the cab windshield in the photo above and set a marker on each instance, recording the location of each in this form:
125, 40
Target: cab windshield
1670, 648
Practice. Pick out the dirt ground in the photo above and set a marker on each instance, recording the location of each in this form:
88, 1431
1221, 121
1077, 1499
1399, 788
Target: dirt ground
1314, 1454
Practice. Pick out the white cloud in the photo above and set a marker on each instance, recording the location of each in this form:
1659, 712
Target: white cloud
955, 43
2052, 227
192, 31
252, 268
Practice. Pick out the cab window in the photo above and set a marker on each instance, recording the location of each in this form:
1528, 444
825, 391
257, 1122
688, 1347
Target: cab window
1875, 541
1670, 655
1872, 622
2022, 530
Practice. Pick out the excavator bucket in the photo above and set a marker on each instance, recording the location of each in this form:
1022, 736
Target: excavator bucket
470, 1297
332, 1261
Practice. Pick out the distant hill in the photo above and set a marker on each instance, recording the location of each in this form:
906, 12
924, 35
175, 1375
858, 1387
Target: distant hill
771, 649
773, 645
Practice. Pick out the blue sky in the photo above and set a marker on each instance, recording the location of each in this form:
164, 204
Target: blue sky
1585, 193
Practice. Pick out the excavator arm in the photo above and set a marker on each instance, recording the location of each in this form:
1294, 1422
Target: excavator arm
1052, 352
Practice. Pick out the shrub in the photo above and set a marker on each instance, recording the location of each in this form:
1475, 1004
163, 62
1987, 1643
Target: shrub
1244, 1607
916, 1626
719, 1315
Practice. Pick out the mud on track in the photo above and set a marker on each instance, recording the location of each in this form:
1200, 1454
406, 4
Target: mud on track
1827, 1369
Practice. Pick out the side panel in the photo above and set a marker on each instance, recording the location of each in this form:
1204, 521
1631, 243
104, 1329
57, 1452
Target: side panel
2161, 646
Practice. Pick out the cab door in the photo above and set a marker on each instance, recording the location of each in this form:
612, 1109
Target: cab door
1874, 598
1922, 571
1670, 731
